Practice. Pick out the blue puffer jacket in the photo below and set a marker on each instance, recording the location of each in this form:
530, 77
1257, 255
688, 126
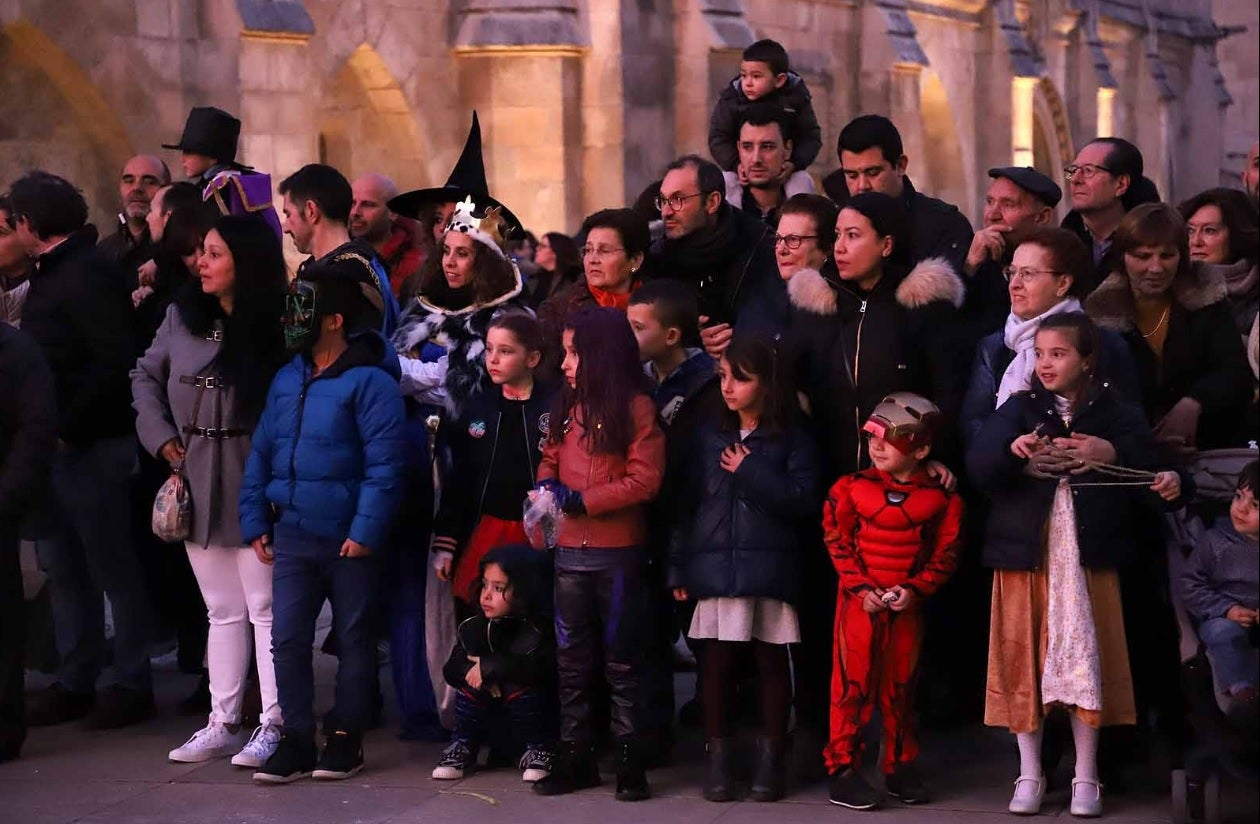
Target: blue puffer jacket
740, 534
328, 452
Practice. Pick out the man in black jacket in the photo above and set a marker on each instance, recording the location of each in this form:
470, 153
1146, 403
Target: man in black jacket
28, 436
77, 311
872, 159
131, 245
725, 255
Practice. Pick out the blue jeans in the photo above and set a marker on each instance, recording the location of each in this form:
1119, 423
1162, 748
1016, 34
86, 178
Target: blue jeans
1235, 663
514, 722
90, 555
307, 570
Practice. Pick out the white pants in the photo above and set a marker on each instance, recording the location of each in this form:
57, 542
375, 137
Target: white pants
236, 587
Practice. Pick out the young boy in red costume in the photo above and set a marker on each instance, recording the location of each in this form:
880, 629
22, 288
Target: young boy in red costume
892, 531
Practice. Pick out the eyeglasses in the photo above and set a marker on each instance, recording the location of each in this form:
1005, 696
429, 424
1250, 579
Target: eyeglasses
1088, 170
793, 242
1026, 274
674, 202
601, 251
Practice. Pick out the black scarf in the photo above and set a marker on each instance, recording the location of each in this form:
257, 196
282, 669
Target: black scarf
703, 259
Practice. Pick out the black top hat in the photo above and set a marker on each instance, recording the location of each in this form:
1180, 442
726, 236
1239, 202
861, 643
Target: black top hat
467, 179
211, 132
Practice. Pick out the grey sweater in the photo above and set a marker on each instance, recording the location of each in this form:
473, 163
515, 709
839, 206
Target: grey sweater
1223, 571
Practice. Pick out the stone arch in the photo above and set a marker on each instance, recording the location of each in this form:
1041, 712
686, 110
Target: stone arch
1052, 131
52, 116
942, 146
367, 125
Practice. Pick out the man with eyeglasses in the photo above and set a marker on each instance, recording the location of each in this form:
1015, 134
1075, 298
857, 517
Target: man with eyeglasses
872, 159
727, 256
1103, 184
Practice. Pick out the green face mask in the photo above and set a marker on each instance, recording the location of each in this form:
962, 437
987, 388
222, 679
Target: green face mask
301, 324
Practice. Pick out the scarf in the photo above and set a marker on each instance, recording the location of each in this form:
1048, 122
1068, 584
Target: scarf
1020, 335
1241, 278
702, 258
613, 300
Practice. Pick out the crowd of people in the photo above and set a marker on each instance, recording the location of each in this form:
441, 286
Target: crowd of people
857, 454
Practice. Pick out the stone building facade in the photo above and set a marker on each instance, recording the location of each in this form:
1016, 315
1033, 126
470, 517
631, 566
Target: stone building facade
582, 102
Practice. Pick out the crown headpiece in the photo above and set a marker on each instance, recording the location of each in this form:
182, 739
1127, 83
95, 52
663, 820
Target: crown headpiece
488, 230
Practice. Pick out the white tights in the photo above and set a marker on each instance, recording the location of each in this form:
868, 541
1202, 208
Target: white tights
1084, 738
236, 587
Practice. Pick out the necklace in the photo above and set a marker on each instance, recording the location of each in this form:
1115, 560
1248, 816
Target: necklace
1159, 325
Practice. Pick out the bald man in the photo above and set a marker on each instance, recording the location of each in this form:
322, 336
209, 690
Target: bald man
398, 240
131, 246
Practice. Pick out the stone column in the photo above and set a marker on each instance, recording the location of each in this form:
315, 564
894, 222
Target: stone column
519, 64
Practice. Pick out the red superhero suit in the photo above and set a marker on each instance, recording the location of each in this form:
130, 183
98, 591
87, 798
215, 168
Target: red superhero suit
881, 533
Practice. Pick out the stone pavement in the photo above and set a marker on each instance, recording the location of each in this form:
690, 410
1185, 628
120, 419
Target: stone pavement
67, 774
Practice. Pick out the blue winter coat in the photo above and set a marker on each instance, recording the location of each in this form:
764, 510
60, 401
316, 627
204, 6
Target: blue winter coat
327, 456
740, 534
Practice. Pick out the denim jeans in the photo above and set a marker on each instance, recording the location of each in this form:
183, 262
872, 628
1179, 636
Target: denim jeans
307, 570
514, 722
1234, 661
90, 555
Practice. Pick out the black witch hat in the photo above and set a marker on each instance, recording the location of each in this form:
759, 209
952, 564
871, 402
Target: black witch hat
211, 132
467, 180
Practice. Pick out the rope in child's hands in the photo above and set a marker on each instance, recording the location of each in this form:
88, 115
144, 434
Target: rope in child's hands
1130, 476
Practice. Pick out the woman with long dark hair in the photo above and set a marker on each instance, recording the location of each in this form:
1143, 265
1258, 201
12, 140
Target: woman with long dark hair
602, 463
198, 392
559, 264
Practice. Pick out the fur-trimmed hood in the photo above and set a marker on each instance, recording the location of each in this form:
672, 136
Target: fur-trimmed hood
1111, 305
931, 280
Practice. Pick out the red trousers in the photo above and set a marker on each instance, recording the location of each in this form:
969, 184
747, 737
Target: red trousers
876, 660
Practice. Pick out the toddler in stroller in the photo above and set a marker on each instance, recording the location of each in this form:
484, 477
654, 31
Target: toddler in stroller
1218, 594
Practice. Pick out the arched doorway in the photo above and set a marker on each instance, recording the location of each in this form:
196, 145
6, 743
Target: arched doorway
53, 118
1052, 134
367, 125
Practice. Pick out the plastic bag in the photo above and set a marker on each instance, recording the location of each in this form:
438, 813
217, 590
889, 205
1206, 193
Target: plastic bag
542, 518
172, 509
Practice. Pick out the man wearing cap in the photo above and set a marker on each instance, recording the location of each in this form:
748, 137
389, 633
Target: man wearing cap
1020, 198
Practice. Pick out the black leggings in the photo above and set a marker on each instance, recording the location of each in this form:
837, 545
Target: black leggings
719, 664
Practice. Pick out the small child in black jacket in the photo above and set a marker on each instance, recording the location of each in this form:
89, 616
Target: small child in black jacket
502, 665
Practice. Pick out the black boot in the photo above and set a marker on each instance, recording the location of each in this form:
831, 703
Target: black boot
718, 784
573, 768
768, 777
631, 780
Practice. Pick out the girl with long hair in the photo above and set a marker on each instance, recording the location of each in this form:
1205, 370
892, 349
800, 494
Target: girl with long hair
602, 462
198, 392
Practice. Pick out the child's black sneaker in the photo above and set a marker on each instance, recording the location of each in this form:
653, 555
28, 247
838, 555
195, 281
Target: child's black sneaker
342, 758
535, 765
457, 759
294, 758
573, 768
904, 784
850, 789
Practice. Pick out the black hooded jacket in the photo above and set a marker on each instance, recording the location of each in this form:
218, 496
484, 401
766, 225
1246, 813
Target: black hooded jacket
796, 103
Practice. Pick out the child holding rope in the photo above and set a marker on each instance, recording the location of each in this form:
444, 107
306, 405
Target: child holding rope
1067, 465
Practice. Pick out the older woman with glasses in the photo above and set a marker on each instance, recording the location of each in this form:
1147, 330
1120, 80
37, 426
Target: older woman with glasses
612, 261
805, 234
1045, 278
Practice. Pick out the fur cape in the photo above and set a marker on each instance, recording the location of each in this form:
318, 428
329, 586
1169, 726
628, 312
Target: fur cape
462, 333
931, 280
1111, 305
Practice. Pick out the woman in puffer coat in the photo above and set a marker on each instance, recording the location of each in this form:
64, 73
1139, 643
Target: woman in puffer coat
751, 485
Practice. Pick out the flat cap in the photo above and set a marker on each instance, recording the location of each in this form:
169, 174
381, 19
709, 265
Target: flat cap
1031, 181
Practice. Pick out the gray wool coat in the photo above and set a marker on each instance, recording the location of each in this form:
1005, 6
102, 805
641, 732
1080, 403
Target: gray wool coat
164, 396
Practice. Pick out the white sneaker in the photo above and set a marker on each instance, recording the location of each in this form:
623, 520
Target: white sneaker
260, 747
1086, 798
1029, 791
214, 740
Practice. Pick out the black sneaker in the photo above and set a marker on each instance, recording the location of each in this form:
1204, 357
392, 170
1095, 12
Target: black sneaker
904, 784
850, 789
342, 758
57, 705
293, 759
120, 707
459, 758
535, 765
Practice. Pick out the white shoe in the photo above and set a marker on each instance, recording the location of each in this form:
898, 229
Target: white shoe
214, 740
260, 747
1086, 798
1029, 791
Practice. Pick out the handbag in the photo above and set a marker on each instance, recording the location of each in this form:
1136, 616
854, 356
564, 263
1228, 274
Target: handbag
172, 506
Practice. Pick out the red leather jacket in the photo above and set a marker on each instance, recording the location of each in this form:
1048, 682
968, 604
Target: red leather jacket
614, 487
882, 532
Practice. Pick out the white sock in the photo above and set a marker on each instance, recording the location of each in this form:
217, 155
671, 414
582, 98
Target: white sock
1029, 753
1085, 739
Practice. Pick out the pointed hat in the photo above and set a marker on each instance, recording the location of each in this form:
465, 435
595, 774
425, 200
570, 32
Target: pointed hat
467, 179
